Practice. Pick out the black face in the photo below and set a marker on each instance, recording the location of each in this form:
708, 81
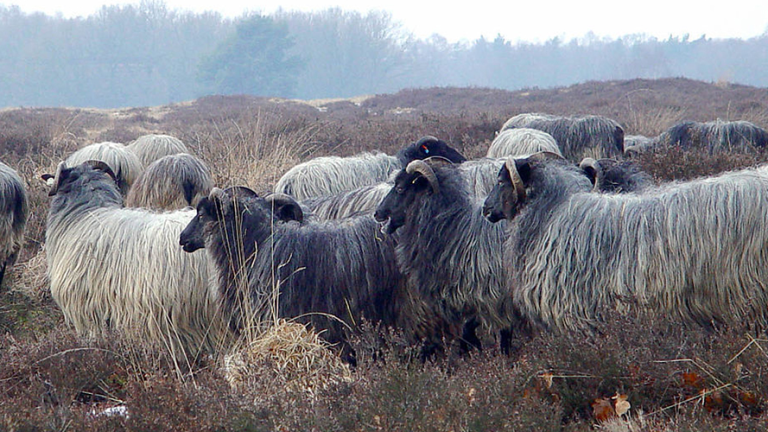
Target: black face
237, 210
428, 147
394, 207
193, 238
503, 202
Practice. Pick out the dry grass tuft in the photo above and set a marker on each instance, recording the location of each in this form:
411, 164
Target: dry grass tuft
298, 357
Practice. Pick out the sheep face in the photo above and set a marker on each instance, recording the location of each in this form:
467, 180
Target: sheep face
394, 207
429, 146
191, 238
506, 197
241, 211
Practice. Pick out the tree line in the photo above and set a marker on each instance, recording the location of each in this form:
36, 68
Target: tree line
149, 54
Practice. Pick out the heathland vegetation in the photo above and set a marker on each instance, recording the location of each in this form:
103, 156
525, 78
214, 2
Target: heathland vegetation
636, 373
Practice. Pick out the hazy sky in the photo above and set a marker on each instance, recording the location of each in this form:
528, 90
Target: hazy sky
534, 21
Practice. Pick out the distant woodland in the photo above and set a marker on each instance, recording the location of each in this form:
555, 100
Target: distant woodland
148, 54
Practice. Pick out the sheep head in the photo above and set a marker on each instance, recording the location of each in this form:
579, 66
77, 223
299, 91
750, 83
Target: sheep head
426, 147
63, 173
417, 179
509, 194
217, 206
593, 170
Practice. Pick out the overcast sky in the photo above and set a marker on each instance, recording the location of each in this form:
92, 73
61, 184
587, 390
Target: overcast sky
533, 21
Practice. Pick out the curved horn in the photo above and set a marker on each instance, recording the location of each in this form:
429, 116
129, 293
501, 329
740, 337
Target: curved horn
241, 192
216, 193
517, 181
544, 155
438, 161
286, 206
57, 178
101, 166
421, 167
589, 164
280, 198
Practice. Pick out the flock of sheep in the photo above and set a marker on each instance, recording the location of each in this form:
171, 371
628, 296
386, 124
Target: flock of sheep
551, 230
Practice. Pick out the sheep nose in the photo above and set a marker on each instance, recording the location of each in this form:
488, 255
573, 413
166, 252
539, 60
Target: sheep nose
380, 215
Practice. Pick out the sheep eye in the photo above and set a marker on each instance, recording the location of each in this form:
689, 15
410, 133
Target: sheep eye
400, 190
424, 147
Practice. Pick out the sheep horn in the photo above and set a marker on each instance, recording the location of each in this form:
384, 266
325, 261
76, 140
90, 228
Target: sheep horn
281, 202
438, 161
517, 181
241, 192
544, 155
101, 166
589, 163
57, 178
421, 167
216, 194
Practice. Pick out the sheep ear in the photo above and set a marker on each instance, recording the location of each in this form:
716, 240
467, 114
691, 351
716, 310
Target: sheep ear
285, 208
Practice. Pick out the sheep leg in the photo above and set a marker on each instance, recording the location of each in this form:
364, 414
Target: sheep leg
469, 339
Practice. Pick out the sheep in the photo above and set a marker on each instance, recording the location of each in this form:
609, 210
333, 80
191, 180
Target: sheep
610, 175
331, 175
694, 249
122, 161
14, 212
577, 137
521, 141
326, 273
151, 147
480, 175
118, 269
637, 144
362, 200
716, 136
170, 183
447, 251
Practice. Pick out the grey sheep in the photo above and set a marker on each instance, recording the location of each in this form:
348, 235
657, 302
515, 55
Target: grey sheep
448, 253
171, 183
14, 212
695, 249
330, 274
716, 136
578, 137
331, 175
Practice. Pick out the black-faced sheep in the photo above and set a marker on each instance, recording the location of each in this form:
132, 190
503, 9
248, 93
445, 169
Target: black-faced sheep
151, 147
610, 175
578, 137
521, 142
331, 175
119, 269
14, 211
126, 166
716, 136
447, 251
694, 249
170, 183
330, 274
